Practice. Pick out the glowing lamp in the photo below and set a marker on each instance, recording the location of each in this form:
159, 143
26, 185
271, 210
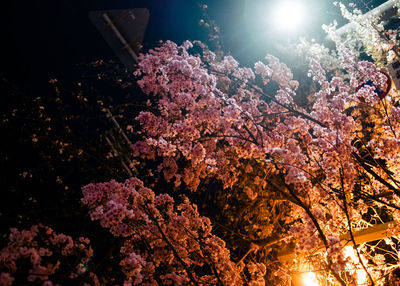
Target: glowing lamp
288, 15
305, 279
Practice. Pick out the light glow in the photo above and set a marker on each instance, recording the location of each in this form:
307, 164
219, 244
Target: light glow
349, 252
309, 279
289, 15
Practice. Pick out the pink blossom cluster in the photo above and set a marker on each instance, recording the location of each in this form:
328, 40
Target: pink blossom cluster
39, 256
236, 127
166, 242
257, 272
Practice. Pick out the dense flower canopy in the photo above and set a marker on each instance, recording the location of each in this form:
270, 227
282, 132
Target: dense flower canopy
166, 243
211, 114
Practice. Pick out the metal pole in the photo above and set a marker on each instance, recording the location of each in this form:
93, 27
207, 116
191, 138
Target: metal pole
120, 37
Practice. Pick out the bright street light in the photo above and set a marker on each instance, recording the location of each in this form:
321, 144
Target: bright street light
288, 15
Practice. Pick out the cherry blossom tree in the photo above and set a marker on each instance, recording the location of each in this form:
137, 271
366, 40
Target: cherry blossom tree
165, 242
39, 256
214, 120
286, 175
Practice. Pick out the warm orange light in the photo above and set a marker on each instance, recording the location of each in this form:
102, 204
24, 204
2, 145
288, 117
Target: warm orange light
309, 279
362, 278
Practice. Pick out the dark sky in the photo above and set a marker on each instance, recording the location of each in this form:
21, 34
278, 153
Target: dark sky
41, 38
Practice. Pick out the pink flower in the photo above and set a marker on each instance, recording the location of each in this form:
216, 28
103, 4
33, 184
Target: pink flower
6, 279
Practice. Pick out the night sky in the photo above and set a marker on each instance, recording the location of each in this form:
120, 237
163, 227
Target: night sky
46, 38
